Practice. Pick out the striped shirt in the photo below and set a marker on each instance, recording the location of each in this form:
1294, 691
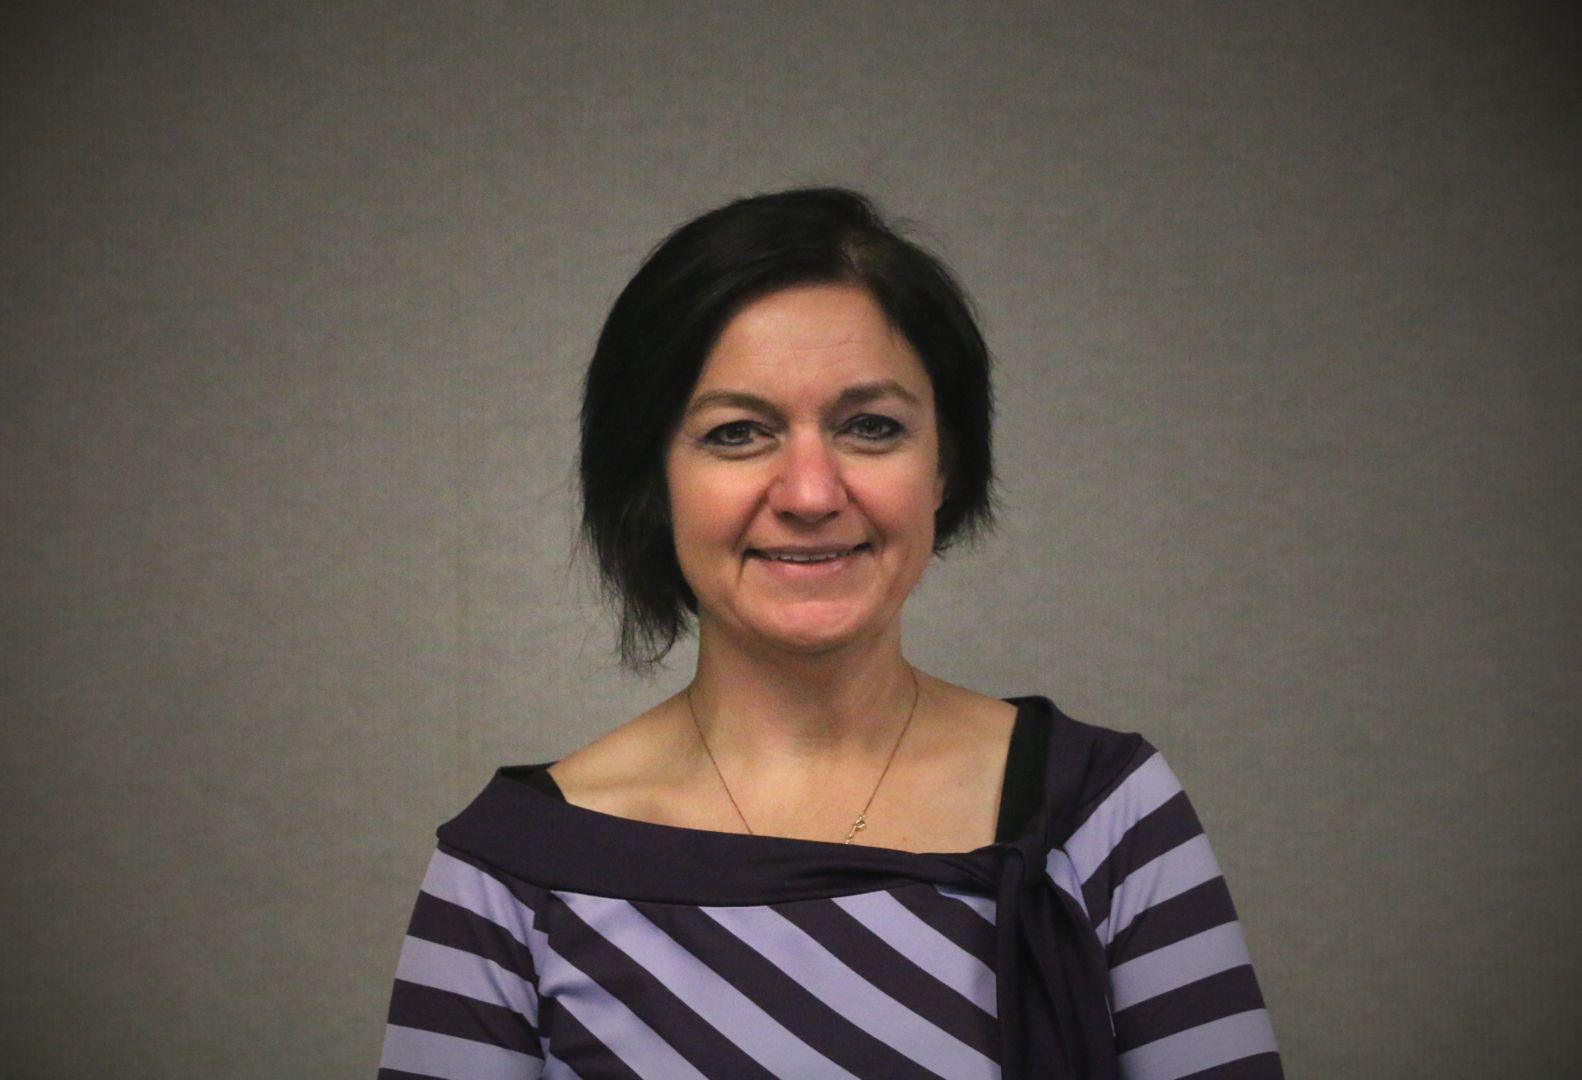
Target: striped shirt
556, 942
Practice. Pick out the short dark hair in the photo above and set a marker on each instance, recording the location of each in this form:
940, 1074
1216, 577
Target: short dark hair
667, 319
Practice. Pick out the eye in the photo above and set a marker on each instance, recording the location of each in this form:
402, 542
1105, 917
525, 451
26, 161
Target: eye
873, 428
734, 435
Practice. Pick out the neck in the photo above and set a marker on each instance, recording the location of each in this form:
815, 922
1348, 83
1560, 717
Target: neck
844, 704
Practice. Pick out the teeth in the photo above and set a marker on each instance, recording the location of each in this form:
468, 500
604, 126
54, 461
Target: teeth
807, 558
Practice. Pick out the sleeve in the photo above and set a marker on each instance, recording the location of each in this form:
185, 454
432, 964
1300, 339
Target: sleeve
1184, 999
465, 1002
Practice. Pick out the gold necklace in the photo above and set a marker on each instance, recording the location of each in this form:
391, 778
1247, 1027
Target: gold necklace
861, 821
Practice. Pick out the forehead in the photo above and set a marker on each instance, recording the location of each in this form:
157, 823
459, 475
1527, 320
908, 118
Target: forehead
801, 337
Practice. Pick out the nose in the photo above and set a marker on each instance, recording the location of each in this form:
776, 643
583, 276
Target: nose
808, 484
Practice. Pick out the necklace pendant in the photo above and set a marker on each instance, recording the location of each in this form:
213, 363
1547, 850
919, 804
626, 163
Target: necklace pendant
857, 826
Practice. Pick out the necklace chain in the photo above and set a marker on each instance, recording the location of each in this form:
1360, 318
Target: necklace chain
861, 821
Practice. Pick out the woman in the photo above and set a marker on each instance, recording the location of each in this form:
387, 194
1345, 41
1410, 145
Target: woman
786, 417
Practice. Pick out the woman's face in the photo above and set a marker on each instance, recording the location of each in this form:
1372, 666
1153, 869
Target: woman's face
804, 474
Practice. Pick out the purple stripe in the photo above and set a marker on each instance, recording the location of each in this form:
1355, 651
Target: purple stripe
623, 987
459, 972
802, 957
981, 906
1058, 866
572, 1043
898, 927
1257, 1067
895, 974
413, 1005
444, 923
1173, 966
791, 1003
607, 1021
1171, 874
1219, 1043
732, 1014
961, 924
1166, 827
466, 886
555, 1069
1202, 1002
1174, 920
1144, 789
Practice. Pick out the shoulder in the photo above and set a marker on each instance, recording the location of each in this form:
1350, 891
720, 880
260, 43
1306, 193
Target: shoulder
517, 823
627, 770
1128, 837
1084, 764
969, 725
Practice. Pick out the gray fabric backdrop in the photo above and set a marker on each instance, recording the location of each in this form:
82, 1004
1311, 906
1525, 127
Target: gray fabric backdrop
295, 298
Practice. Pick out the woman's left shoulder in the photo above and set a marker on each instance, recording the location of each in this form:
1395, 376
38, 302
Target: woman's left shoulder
971, 730
1086, 764
974, 715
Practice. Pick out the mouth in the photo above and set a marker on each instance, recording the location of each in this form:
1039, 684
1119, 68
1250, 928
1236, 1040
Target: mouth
805, 556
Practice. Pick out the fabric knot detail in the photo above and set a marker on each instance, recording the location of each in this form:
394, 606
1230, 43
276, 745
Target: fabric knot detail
1051, 966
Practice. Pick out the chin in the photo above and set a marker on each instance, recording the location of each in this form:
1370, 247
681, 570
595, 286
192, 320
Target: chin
809, 644
811, 636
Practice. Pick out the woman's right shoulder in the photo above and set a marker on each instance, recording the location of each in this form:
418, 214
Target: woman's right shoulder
618, 772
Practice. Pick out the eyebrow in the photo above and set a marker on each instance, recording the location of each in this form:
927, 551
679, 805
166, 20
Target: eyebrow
860, 394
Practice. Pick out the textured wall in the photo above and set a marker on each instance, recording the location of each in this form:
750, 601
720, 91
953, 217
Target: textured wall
295, 296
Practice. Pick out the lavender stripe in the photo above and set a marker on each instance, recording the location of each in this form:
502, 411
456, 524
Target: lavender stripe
1064, 875
793, 1004
1149, 786
802, 958
1174, 966
555, 1069
1171, 874
1203, 1047
468, 974
898, 927
573, 1042
950, 917
428, 1053
984, 906
622, 1032
466, 886
605, 1018
741, 1020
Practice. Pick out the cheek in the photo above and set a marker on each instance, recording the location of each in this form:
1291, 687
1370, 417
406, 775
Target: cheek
705, 508
688, 520
684, 517
906, 506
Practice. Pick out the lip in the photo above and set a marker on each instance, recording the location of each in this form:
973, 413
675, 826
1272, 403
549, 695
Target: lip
800, 562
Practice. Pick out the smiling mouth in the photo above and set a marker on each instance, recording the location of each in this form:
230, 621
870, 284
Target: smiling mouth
804, 556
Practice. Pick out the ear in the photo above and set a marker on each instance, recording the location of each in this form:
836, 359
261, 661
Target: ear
939, 492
